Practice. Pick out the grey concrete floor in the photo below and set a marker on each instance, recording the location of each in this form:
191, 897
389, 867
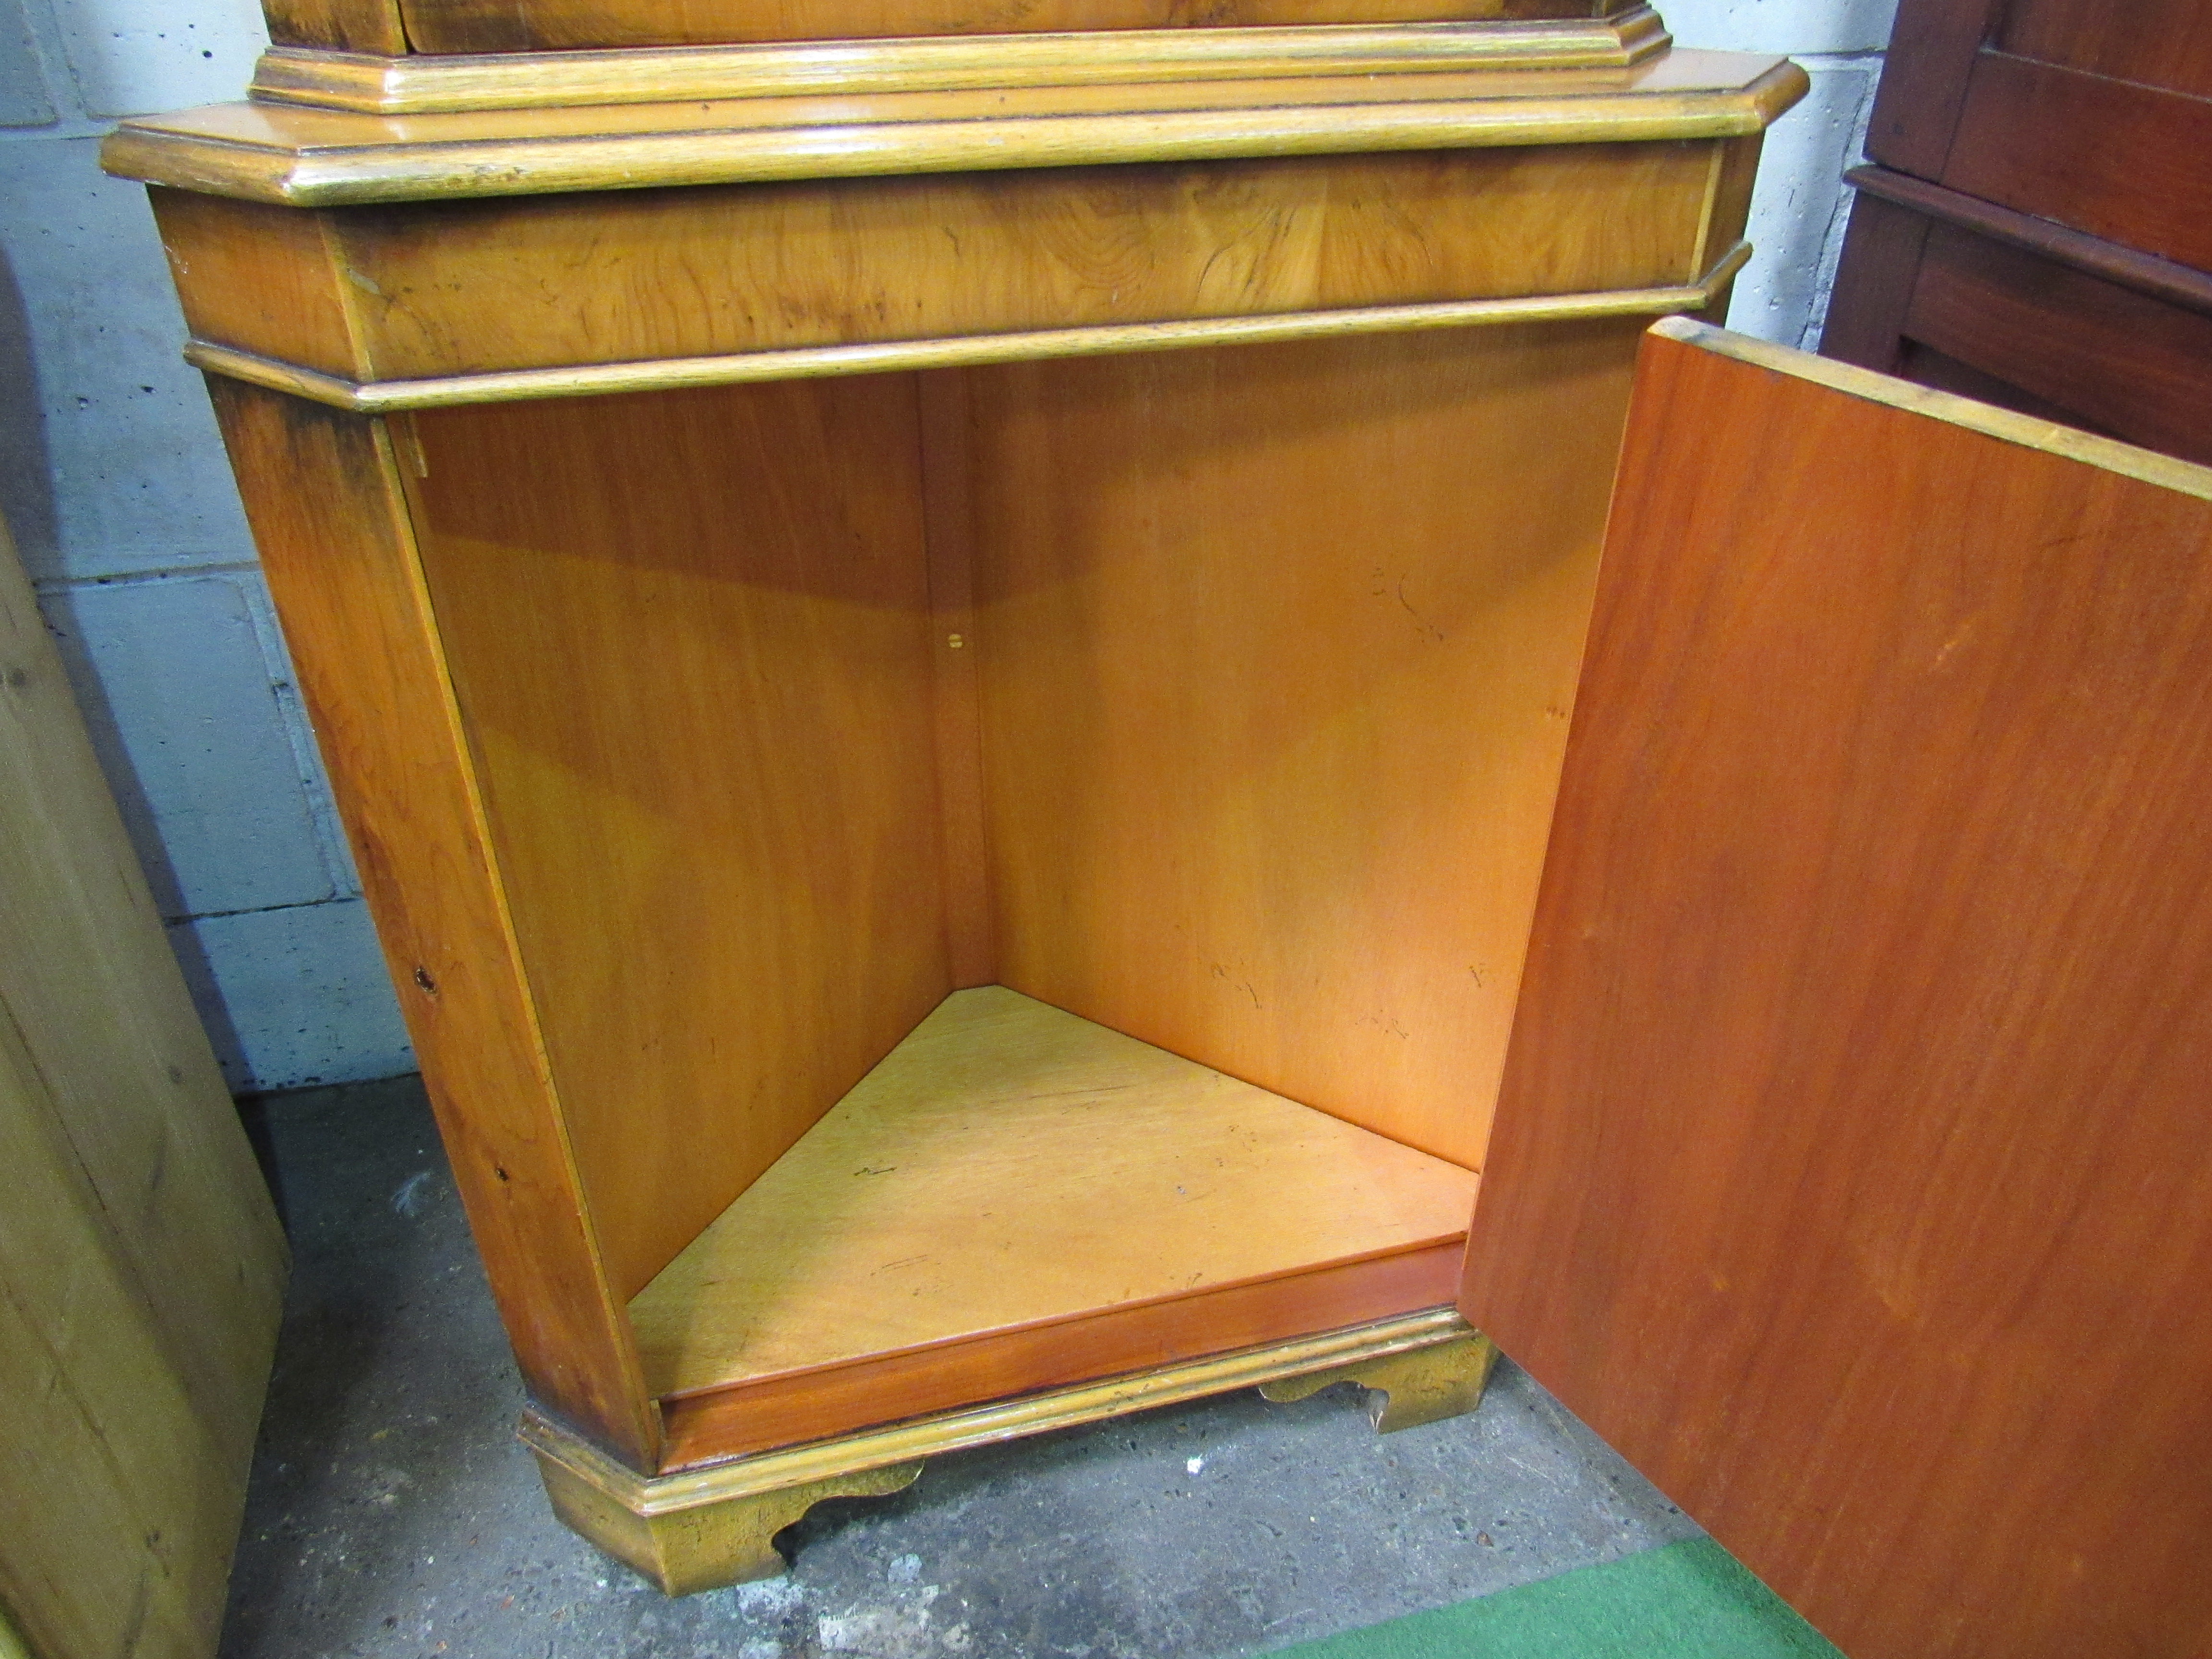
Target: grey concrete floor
392, 1513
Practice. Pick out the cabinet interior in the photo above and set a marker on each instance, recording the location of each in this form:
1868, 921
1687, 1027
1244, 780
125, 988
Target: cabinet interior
1211, 698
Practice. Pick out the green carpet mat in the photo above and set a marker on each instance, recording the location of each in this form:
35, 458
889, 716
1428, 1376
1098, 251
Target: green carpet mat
1688, 1599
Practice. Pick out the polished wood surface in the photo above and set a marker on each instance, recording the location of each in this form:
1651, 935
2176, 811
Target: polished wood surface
322, 494
2161, 279
798, 1407
1278, 650
348, 25
1932, 47
915, 618
627, 277
420, 85
315, 157
2035, 226
2154, 43
2121, 161
949, 530
1702, 298
142, 1267
706, 1546
2121, 362
1403, 1340
444, 25
689, 644
1008, 1165
1872, 1222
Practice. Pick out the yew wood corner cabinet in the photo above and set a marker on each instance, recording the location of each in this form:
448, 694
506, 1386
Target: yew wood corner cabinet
945, 655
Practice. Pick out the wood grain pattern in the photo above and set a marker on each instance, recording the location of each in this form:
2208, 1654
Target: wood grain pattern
337, 543
442, 26
275, 276
2161, 279
1873, 1226
312, 157
688, 636
141, 1267
1005, 1365
949, 528
1882, 249
2154, 43
1278, 646
1011, 1165
1932, 47
2119, 160
635, 275
2129, 365
1404, 1337
430, 84
1925, 365
817, 362
348, 25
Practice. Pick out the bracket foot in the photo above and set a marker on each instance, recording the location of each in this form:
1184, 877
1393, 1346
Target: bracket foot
1419, 1385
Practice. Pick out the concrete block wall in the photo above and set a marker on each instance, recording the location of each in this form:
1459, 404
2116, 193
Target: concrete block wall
113, 479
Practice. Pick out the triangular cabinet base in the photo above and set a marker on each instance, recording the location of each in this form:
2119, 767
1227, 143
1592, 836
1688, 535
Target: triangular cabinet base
717, 1525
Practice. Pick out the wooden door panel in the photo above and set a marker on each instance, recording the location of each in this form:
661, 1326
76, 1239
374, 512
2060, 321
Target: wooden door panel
2121, 161
2157, 43
1850, 1173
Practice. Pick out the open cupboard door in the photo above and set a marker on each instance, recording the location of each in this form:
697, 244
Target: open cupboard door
1850, 1172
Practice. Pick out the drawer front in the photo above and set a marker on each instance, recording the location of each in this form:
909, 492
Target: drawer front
420, 290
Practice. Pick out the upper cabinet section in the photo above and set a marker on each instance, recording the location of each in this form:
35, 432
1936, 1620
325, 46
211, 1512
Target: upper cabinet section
494, 26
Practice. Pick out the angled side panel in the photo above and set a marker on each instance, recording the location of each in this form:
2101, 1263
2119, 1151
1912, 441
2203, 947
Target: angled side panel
689, 637
323, 497
1850, 1173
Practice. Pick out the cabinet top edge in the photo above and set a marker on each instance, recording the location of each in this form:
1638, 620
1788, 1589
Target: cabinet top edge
309, 157
424, 84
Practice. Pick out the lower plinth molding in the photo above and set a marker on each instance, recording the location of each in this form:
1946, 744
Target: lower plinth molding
702, 1528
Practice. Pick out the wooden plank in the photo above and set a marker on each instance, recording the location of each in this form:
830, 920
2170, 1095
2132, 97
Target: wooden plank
690, 644
322, 494
1849, 1175
780, 1411
2154, 43
369, 26
449, 26
305, 157
1278, 648
141, 1267
1923, 82
122, 1501
1011, 1165
634, 275
2161, 279
1882, 247
2129, 364
1925, 365
2118, 161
